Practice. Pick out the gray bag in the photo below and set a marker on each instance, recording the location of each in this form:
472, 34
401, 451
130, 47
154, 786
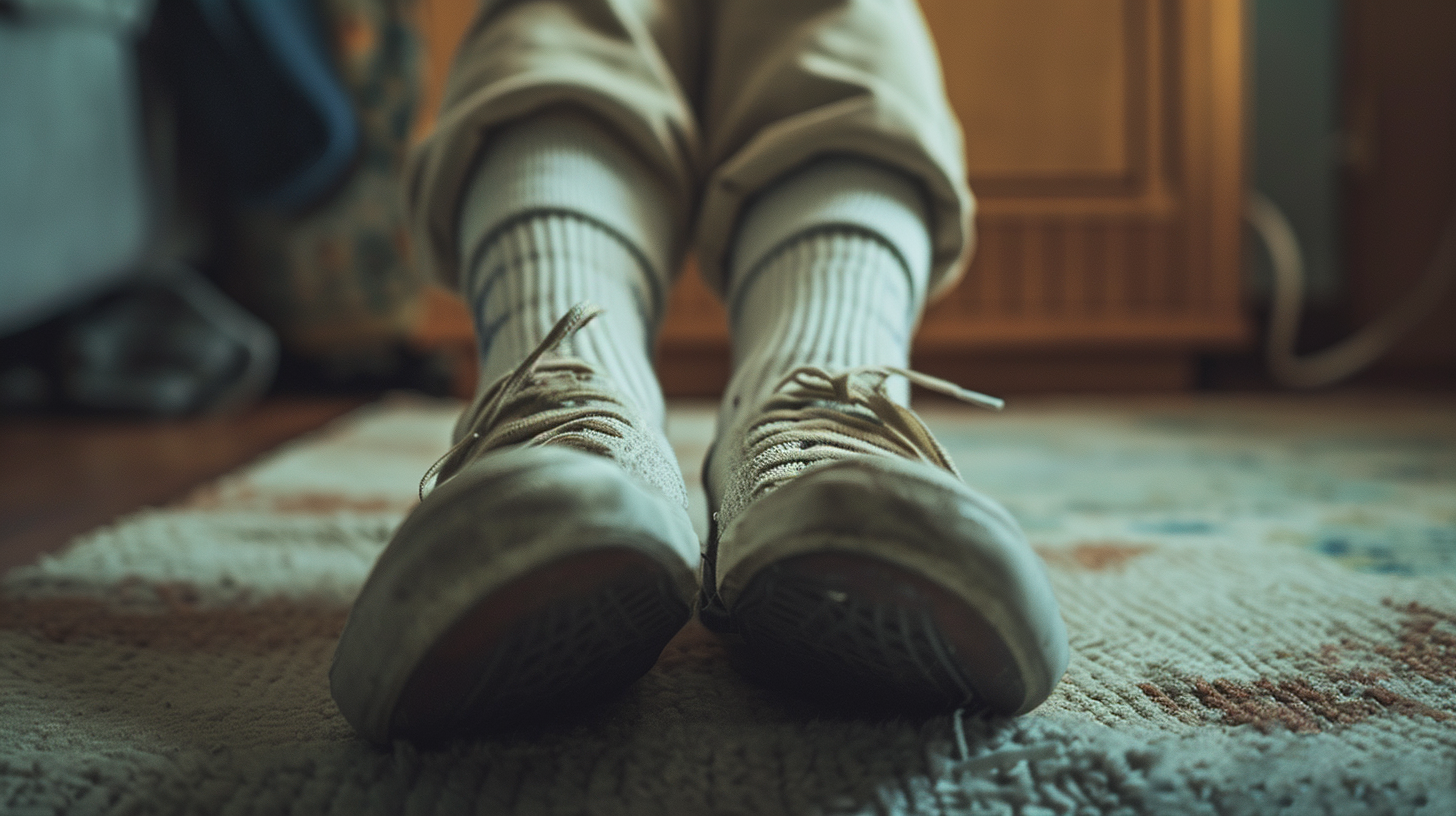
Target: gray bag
75, 208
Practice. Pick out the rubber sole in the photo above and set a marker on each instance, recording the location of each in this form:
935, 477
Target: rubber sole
868, 632
563, 637
891, 583
535, 581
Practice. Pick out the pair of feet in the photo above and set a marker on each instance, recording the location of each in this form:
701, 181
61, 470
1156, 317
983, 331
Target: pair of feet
555, 559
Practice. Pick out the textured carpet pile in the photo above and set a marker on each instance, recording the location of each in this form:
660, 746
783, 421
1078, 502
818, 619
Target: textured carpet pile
1261, 597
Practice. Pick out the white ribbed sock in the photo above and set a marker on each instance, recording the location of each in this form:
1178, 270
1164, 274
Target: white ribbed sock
558, 212
830, 268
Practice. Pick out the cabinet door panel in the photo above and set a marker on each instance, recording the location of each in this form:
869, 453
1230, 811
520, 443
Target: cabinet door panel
1118, 223
1045, 88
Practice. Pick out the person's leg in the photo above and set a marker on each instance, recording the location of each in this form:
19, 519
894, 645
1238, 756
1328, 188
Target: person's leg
793, 81
623, 63
554, 558
830, 269
560, 212
846, 550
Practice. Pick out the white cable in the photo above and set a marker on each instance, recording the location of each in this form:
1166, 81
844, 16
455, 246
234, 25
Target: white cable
1359, 350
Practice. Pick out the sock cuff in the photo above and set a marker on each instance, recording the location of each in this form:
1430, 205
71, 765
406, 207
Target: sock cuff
567, 253
564, 161
847, 192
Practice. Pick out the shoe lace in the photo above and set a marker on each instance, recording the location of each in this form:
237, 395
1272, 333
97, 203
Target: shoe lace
545, 399
814, 416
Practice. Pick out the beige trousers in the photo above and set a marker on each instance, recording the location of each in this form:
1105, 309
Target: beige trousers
720, 97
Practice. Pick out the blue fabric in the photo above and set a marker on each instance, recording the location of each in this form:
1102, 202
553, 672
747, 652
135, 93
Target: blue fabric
259, 77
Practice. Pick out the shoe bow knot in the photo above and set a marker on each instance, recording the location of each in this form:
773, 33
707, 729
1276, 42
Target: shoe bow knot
545, 399
815, 416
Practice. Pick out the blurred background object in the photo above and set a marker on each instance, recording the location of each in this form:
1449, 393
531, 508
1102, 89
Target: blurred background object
258, 141
76, 203
258, 86
1294, 204
1398, 179
165, 344
99, 307
1298, 148
294, 120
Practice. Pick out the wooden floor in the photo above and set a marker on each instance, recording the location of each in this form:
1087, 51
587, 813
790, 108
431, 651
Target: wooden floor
60, 476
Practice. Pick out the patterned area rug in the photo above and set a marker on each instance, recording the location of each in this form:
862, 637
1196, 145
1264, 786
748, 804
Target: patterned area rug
1261, 596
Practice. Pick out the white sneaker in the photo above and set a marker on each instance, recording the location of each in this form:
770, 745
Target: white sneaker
853, 561
549, 568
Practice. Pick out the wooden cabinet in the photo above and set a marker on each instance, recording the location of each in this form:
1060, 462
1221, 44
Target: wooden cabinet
1105, 147
1104, 143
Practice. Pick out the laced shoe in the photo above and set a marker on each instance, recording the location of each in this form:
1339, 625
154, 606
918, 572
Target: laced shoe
548, 568
853, 561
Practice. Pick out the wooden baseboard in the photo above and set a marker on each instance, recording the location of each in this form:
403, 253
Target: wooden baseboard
699, 366
693, 370
1043, 372
702, 370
